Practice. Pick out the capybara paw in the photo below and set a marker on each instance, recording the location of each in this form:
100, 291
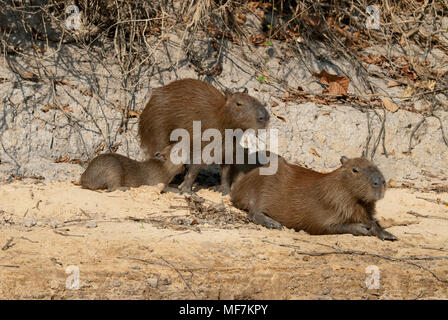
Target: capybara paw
160, 187
384, 235
185, 188
273, 225
269, 223
225, 190
359, 229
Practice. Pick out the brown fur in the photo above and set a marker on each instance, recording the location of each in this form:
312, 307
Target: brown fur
342, 201
181, 102
112, 171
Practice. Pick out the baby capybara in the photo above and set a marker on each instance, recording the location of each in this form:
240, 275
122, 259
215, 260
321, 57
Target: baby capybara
181, 102
112, 171
342, 201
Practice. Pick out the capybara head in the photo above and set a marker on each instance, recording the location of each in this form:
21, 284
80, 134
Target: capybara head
363, 178
246, 111
164, 154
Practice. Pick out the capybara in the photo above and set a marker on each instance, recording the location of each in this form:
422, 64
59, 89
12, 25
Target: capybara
342, 201
112, 171
179, 103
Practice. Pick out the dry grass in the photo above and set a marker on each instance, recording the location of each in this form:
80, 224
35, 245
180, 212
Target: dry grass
130, 32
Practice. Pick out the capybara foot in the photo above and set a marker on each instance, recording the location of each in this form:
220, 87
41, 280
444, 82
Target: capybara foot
384, 235
224, 189
356, 229
264, 220
185, 188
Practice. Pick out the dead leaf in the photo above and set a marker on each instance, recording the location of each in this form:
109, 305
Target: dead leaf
29, 76
393, 83
313, 151
67, 83
278, 116
240, 17
67, 108
254, 7
62, 159
86, 92
257, 39
47, 108
134, 114
408, 92
39, 49
274, 104
338, 84
428, 84
389, 105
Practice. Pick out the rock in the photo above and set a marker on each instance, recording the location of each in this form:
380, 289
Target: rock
261, 257
29, 223
54, 284
392, 183
165, 281
91, 224
153, 282
53, 224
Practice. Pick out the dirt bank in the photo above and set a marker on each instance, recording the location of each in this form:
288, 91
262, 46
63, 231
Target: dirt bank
140, 244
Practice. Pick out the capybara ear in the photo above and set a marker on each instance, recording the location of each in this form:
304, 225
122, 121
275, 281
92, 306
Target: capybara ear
228, 93
160, 156
344, 160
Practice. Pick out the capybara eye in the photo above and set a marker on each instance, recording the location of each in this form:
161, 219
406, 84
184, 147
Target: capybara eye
355, 170
239, 104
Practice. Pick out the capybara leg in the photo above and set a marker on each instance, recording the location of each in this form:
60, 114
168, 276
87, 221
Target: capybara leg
113, 186
381, 233
190, 177
225, 179
258, 217
357, 229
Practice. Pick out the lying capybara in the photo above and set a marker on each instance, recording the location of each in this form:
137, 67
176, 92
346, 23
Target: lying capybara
112, 171
342, 201
181, 102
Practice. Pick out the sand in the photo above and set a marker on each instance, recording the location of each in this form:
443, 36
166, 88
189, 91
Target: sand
143, 244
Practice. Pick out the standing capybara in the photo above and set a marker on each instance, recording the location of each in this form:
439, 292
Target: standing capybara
181, 102
342, 201
112, 171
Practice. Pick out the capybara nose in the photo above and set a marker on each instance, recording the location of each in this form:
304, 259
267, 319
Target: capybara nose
377, 181
263, 115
